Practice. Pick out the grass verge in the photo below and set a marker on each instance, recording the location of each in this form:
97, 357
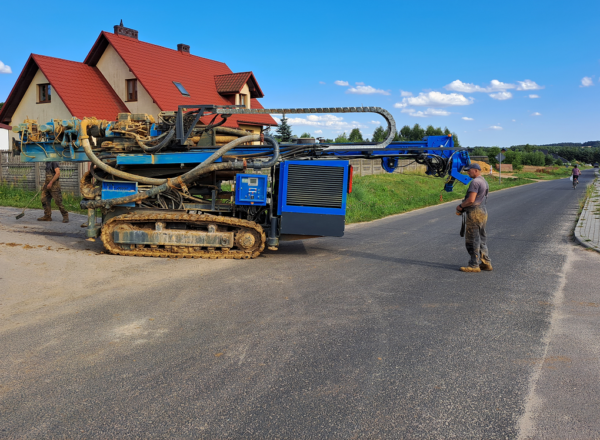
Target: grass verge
559, 173
18, 198
381, 195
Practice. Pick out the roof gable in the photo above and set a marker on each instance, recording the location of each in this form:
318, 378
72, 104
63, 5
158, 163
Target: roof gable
82, 88
157, 68
234, 82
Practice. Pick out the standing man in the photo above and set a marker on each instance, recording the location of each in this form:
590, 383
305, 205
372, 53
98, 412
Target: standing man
51, 190
474, 207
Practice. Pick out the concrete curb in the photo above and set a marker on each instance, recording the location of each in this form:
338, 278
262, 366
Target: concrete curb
587, 230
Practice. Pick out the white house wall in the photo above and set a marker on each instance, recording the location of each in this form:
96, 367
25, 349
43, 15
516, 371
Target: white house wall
116, 72
28, 108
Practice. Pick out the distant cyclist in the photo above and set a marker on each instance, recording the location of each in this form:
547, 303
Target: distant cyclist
576, 173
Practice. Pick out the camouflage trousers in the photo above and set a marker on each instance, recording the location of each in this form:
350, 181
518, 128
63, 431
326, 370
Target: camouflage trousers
52, 193
476, 236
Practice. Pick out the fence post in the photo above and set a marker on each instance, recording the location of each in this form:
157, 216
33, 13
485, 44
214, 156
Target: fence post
36, 170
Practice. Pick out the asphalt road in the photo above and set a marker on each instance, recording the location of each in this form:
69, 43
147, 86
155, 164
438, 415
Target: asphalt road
373, 335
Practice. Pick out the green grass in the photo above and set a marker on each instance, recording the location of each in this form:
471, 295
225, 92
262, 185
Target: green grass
18, 198
559, 173
378, 196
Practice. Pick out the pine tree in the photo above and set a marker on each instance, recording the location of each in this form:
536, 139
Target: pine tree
379, 134
284, 130
355, 136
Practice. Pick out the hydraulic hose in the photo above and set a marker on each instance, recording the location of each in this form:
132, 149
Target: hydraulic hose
161, 145
85, 204
259, 165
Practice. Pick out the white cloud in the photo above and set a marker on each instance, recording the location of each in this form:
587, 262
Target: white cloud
501, 96
341, 83
4, 68
528, 85
405, 94
366, 90
496, 127
326, 121
533, 96
426, 113
435, 99
467, 119
318, 131
586, 81
495, 86
375, 122
321, 82
359, 83
514, 120
536, 114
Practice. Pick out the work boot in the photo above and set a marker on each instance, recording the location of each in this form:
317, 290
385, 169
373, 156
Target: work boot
470, 269
45, 219
66, 218
485, 265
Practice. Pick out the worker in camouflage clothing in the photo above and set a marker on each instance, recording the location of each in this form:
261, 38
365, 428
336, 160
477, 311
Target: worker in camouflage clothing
474, 207
51, 190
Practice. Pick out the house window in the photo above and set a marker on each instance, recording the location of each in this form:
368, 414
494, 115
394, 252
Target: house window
44, 93
243, 100
181, 89
131, 89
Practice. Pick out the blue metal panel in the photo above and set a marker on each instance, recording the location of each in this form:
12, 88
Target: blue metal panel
251, 189
163, 158
114, 190
282, 204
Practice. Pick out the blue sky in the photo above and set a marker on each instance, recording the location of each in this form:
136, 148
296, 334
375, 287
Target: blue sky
495, 73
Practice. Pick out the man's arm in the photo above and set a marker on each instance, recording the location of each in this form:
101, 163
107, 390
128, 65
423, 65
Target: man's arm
55, 178
468, 202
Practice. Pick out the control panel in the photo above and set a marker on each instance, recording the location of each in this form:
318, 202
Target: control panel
251, 189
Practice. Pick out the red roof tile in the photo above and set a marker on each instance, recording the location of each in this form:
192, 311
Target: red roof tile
82, 88
231, 82
156, 68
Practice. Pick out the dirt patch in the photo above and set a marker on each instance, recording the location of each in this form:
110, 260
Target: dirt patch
26, 246
13, 244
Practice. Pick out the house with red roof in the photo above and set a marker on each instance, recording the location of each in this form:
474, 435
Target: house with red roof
123, 74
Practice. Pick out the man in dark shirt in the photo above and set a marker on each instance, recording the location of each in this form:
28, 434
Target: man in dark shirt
51, 190
473, 205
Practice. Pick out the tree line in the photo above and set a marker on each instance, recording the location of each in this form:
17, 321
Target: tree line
406, 133
520, 155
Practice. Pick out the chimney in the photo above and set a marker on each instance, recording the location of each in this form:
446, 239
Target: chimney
122, 30
183, 48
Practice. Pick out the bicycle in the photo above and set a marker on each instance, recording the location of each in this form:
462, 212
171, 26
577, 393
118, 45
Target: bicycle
575, 181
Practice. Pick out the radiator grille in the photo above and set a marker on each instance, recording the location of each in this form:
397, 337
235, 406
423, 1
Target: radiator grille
320, 186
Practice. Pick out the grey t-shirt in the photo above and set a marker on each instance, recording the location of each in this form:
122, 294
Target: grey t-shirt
480, 186
51, 166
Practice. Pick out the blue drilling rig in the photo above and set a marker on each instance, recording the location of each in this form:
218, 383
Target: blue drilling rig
157, 185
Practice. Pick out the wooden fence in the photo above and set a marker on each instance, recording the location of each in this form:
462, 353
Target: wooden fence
31, 176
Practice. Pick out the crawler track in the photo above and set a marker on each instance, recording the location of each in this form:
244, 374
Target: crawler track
242, 229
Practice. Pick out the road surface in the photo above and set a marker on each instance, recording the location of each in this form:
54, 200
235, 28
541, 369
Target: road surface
373, 335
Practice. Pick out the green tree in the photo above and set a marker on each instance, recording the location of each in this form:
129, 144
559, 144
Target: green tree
1, 105
417, 133
549, 160
284, 130
379, 134
405, 133
341, 139
455, 138
355, 136
306, 135
430, 131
